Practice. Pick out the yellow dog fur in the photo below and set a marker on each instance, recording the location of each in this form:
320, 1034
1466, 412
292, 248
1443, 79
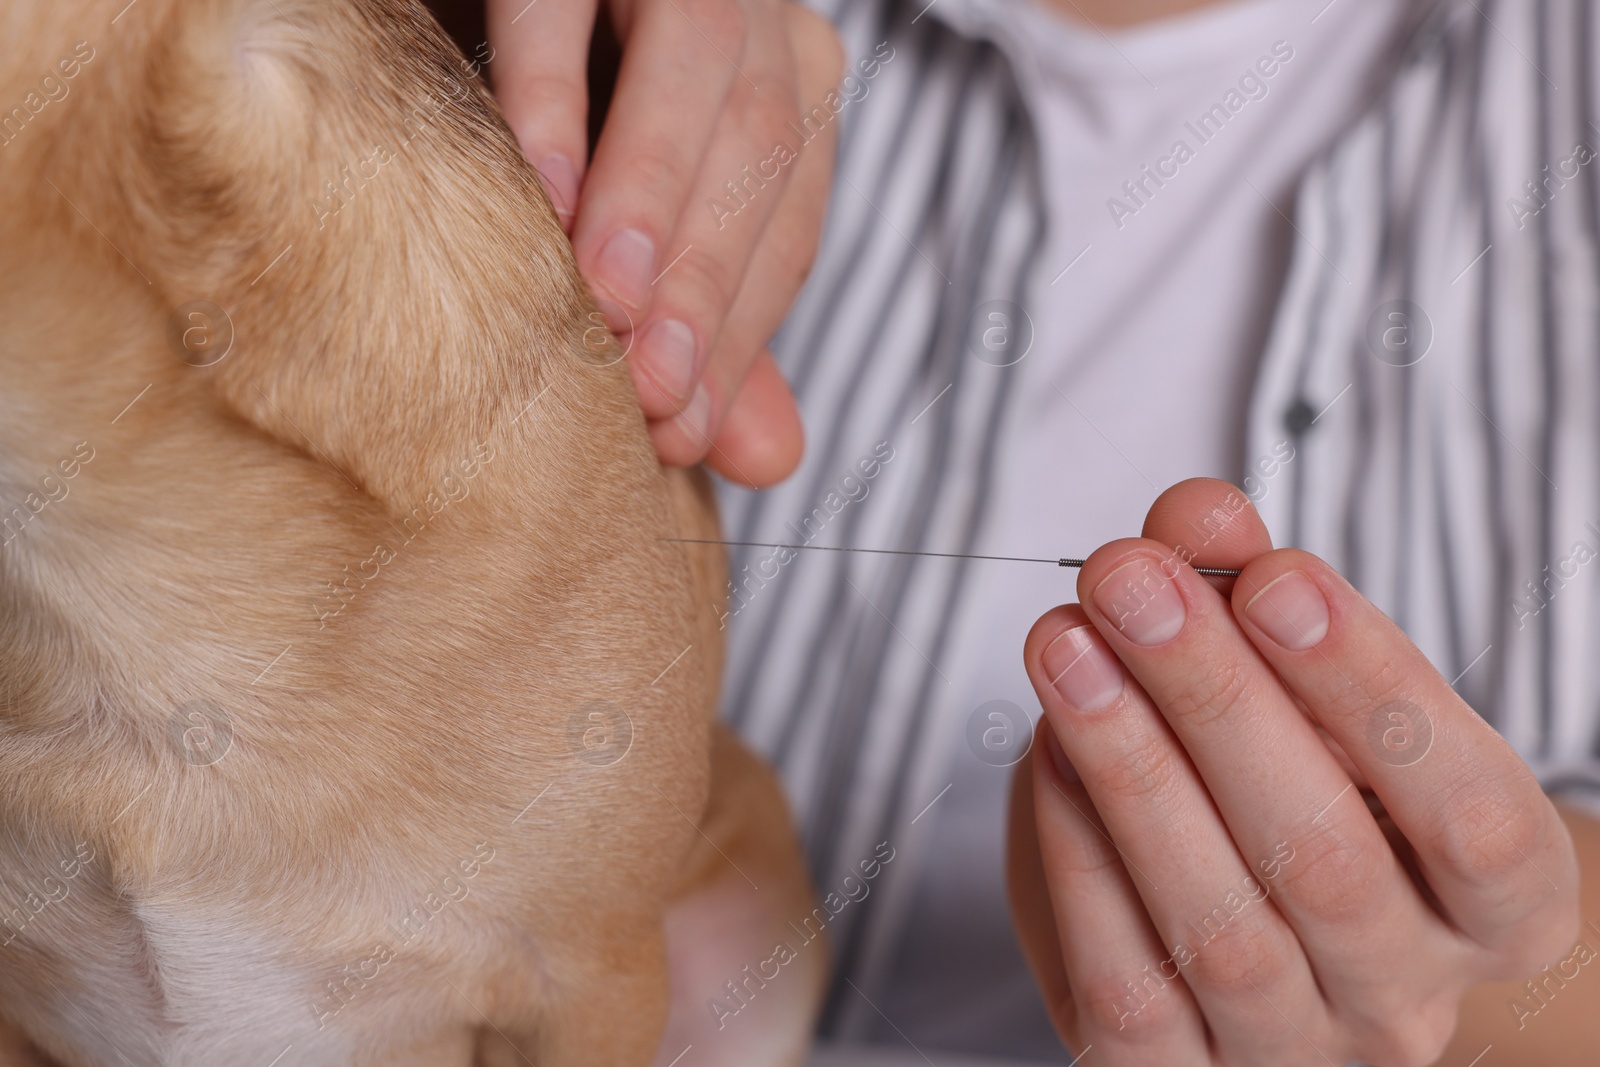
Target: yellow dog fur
351, 709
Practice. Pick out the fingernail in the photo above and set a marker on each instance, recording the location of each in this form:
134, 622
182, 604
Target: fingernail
627, 265
560, 179
1141, 602
1291, 610
1082, 669
1058, 757
696, 416
668, 354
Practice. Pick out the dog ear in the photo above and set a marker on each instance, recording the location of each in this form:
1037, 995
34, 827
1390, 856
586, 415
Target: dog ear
334, 179
355, 146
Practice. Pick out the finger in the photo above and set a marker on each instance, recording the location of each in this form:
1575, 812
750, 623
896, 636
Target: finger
1371, 937
1203, 521
1029, 896
1130, 1002
541, 80
1488, 841
1240, 959
742, 178
761, 441
668, 101
777, 264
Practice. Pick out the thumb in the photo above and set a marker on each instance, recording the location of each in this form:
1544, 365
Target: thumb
1209, 522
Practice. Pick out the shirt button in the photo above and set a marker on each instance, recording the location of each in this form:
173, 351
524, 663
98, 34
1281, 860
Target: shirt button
1297, 420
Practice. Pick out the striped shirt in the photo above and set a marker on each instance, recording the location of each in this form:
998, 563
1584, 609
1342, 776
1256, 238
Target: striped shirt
1452, 477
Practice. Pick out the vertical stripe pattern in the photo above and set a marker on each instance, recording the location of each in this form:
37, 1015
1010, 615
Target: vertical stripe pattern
1454, 481
1433, 359
833, 658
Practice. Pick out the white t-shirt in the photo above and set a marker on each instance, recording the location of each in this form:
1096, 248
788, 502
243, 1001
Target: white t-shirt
1170, 155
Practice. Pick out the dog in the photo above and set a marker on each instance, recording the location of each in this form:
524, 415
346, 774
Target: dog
354, 708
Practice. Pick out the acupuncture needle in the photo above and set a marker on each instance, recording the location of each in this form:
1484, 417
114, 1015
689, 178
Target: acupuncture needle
1211, 572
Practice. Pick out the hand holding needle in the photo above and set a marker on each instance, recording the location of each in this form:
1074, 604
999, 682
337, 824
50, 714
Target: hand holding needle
1213, 572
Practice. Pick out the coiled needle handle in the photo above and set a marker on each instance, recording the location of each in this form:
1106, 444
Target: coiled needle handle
1211, 572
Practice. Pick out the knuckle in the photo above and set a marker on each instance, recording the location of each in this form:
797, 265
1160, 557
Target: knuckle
1079, 854
814, 120
710, 279
1103, 1004
657, 169
1149, 773
1134, 1014
1335, 878
766, 115
540, 96
1242, 957
1513, 852
1382, 683
792, 253
1210, 695
1485, 833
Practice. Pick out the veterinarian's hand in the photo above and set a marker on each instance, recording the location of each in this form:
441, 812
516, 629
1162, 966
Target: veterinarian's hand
693, 279
1212, 884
